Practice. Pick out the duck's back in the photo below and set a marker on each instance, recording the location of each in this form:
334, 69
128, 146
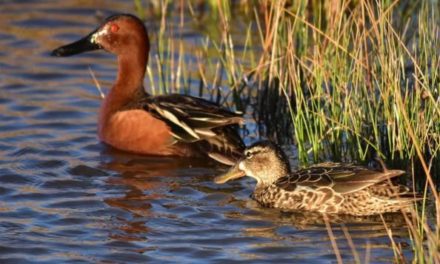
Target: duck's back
337, 188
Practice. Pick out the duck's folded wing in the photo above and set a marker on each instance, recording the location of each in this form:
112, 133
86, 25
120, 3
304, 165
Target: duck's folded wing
193, 119
311, 177
342, 178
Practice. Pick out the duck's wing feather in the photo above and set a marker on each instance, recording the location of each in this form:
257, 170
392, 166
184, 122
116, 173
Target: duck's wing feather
341, 178
195, 120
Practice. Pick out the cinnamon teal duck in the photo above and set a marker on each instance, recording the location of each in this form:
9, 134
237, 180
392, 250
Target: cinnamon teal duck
132, 120
332, 188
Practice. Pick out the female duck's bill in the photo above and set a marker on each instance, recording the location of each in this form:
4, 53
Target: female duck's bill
233, 173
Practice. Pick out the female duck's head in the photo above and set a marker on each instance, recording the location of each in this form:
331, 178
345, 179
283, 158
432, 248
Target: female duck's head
119, 34
263, 161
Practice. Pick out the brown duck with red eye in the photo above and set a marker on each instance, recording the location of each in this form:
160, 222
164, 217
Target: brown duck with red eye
132, 120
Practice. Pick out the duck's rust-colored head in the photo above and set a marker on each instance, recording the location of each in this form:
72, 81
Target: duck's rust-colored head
118, 34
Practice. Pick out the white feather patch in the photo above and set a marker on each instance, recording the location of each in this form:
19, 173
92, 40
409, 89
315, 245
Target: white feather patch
99, 33
168, 115
205, 132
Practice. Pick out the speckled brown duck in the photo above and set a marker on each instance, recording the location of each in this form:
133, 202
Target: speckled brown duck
132, 120
333, 188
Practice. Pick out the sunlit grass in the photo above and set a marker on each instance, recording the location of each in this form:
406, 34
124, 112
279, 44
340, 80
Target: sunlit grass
342, 80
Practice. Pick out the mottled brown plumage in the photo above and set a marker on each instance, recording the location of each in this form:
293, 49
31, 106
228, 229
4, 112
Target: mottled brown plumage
326, 187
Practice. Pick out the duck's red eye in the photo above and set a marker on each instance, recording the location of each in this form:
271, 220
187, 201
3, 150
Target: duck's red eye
114, 28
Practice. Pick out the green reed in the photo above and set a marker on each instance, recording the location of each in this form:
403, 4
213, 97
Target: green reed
358, 87
343, 80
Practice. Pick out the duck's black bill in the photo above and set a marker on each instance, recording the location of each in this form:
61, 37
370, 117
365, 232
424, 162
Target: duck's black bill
80, 46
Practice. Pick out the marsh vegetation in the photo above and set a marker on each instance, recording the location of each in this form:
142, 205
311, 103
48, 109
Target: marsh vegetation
341, 80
